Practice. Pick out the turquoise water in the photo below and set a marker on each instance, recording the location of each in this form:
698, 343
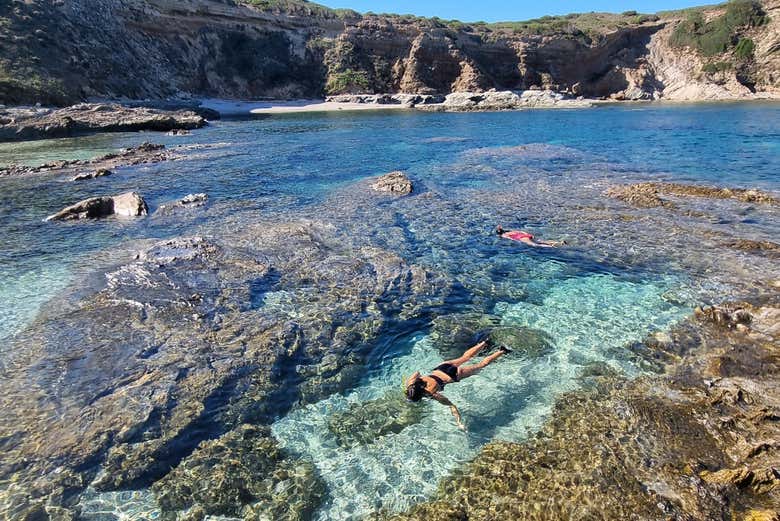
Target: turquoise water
626, 274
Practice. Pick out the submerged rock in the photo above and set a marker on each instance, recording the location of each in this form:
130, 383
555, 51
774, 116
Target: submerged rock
243, 473
185, 203
453, 334
100, 172
142, 154
394, 183
365, 422
129, 204
524, 341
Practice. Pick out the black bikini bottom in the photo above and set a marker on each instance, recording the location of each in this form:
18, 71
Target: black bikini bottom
450, 370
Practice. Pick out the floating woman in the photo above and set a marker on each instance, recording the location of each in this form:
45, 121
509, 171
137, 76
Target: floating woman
526, 238
451, 371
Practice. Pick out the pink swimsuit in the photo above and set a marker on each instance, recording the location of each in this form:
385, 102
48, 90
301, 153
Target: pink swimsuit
518, 236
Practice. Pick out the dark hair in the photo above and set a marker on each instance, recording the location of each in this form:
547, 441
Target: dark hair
499, 230
415, 390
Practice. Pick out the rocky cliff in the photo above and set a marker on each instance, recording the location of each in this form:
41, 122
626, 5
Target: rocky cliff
58, 52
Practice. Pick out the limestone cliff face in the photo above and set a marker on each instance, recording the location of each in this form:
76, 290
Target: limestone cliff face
63, 51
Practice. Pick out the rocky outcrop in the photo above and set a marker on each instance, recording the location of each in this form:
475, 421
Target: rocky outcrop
142, 154
129, 204
410, 100
29, 124
396, 183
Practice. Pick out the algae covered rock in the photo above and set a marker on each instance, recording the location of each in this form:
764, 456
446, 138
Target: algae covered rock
243, 473
525, 341
363, 423
453, 334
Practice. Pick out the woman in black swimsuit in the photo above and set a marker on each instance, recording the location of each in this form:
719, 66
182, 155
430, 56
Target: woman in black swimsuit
449, 372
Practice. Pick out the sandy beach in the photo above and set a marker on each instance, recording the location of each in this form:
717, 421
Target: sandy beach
237, 108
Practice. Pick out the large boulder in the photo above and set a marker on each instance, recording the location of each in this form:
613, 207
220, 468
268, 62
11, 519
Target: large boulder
129, 204
393, 183
365, 422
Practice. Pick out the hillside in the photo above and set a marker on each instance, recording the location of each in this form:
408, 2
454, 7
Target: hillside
58, 52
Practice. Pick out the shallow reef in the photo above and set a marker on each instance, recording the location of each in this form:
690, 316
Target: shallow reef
698, 442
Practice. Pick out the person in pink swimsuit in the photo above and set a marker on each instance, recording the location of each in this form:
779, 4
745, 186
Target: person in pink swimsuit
526, 238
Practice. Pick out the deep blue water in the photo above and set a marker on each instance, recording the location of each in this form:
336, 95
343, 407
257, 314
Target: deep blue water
626, 274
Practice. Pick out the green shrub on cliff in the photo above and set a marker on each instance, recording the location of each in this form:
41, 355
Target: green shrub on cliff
715, 67
744, 49
719, 34
347, 82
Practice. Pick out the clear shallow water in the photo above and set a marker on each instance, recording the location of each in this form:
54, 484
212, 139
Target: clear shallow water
627, 272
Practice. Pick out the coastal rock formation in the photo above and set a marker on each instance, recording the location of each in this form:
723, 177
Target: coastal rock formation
396, 183
696, 443
296, 49
142, 154
85, 118
505, 100
184, 345
410, 100
100, 172
129, 204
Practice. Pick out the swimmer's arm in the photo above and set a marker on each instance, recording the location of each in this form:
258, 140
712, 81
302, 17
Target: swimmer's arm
412, 378
455, 412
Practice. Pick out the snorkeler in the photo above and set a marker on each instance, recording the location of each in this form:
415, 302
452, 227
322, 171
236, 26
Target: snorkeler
451, 371
527, 238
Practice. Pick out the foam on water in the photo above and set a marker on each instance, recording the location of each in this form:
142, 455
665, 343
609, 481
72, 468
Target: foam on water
589, 319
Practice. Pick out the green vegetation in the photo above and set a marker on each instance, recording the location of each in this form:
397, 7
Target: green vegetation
744, 49
590, 24
301, 8
716, 36
716, 67
348, 81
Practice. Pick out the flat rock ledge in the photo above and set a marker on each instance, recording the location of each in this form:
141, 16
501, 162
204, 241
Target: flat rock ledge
396, 183
22, 124
649, 195
144, 153
129, 204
